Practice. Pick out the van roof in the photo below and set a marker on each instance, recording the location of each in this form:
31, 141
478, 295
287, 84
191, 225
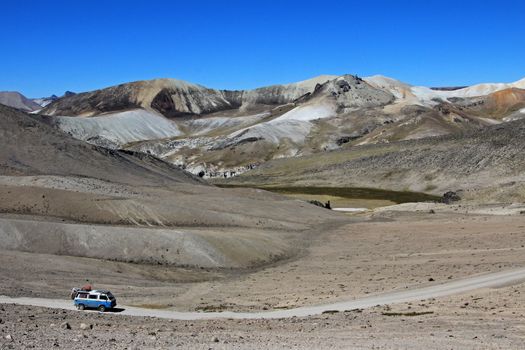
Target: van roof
97, 291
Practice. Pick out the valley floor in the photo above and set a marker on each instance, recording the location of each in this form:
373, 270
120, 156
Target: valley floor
365, 254
354, 257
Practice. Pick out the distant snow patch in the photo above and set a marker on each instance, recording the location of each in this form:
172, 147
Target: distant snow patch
120, 128
43, 101
427, 95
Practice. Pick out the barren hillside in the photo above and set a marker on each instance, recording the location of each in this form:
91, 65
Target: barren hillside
488, 164
59, 195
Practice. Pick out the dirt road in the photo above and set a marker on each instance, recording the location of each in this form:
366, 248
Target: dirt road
491, 280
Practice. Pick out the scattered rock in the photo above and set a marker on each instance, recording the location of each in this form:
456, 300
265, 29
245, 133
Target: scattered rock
85, 326
345, 139
9, 337
330, 312
318, 203
431, 279
65, 325
215, 339
450, 197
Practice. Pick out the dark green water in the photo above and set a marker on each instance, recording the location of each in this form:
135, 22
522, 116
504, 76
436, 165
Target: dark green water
351, 193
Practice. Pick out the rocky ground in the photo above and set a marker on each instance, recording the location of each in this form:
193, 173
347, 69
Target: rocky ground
362, 255
487, 319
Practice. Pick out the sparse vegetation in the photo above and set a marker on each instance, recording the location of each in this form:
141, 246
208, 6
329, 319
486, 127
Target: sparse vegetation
409, 314
349, 192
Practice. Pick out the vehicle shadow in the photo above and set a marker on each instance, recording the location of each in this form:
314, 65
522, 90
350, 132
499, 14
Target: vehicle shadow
115, 310
107, 311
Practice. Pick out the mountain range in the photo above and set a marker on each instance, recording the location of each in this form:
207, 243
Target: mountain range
16, 100
220, 133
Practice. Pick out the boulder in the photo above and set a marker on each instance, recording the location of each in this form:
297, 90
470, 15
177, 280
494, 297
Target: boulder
450, 197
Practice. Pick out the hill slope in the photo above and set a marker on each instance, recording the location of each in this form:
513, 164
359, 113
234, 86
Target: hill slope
17, 100
59, 195
30, 147
488, 164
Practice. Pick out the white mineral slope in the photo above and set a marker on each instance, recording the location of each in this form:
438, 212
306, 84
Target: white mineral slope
308, 112
120, 128
490, 280
275, 131
294, 125
203, 126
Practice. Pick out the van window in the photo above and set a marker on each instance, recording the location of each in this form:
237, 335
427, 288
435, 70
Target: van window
92, 296
103, 297
82, 295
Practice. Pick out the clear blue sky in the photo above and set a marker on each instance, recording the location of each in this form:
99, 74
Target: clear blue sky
52, 46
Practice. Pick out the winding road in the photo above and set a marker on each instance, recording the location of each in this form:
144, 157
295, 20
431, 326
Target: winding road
489, 280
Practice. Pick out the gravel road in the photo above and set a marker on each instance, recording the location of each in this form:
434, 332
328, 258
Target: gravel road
490, 280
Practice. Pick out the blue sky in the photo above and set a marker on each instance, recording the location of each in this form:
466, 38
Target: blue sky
52, 46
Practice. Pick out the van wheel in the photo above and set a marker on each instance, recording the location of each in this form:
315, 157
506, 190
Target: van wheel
81, 307
101, 308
